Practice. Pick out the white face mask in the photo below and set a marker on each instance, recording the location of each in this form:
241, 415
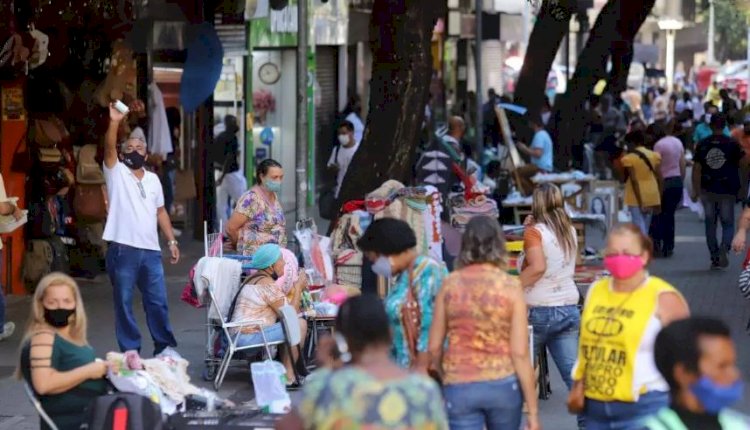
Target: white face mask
344, 139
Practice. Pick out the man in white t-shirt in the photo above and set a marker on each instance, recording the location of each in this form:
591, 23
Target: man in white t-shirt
136, 206
343, 153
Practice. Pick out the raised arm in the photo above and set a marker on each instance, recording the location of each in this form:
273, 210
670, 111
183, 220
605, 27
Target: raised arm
110, 139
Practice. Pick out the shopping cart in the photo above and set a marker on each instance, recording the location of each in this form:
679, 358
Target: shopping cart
213, 246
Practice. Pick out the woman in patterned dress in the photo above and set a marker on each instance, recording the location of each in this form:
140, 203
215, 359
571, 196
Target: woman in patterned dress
258, 217
360, 386
391, 246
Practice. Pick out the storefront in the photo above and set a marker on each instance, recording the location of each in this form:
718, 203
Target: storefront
70, 59
273, 84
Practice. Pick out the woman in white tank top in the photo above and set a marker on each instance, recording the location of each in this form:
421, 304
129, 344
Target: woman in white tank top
547, 269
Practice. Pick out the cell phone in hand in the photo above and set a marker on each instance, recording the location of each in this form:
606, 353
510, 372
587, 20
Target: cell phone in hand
121, 107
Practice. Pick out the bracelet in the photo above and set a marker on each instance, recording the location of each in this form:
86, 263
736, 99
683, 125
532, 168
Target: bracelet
172, 242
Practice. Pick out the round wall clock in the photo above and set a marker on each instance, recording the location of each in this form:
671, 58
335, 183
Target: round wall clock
269, 73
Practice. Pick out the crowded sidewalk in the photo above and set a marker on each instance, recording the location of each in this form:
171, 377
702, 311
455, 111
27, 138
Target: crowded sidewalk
712, 293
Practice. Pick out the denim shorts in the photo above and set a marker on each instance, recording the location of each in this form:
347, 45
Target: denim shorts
624, 415
274, 333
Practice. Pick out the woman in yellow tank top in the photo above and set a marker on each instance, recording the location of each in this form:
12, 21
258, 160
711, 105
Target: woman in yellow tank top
617, 383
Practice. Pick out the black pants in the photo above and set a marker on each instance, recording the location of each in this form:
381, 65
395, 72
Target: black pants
663, 225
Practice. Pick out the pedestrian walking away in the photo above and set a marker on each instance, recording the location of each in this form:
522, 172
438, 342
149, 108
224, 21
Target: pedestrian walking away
134, 257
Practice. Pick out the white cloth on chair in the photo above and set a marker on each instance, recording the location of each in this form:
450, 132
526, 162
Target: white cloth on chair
223, 274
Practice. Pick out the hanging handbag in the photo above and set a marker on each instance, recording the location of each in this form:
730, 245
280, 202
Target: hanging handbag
90, 203
185, 185
47, 133
49, 159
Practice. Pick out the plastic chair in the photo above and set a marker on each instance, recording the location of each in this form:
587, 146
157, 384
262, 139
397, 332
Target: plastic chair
38, 406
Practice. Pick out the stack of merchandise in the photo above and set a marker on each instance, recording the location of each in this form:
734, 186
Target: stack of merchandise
463, 210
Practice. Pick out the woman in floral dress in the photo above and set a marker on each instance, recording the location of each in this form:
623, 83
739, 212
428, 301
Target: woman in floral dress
258, 217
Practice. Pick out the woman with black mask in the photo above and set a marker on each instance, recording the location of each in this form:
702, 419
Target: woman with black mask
56, 359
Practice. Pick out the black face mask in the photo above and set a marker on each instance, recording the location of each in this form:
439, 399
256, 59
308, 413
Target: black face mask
58, 318
134, 160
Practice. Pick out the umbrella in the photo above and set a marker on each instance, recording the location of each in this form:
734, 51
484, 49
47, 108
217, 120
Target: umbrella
202, 68
513, 108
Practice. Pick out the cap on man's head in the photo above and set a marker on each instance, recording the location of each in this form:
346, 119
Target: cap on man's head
266, 256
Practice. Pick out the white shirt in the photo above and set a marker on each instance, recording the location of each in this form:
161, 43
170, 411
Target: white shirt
132, 218
359, 127
342, 156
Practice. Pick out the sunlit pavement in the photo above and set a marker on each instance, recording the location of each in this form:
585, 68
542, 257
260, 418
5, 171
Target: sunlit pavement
709, 293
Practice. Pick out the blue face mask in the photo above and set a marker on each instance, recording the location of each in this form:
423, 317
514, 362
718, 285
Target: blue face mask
273, 186
715, 397
382, 267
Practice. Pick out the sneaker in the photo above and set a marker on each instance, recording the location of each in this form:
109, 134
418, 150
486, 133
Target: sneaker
8, 330
723, 260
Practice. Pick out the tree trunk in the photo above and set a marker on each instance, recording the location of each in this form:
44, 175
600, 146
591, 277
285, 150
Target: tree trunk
622, 57
400, 37
552, 24
618, 20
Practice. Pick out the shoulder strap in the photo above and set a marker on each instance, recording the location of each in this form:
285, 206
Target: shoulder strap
230, 314
645, 160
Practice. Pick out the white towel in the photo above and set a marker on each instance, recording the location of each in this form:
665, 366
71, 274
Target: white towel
159, 136
222, 275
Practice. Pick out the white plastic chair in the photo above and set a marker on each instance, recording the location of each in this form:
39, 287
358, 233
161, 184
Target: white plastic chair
232, 332
38, 406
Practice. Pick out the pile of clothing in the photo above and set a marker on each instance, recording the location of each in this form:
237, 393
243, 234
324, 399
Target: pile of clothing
463, 210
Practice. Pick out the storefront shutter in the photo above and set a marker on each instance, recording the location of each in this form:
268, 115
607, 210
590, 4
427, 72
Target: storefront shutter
326, 112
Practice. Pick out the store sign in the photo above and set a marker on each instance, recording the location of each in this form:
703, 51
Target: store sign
329, 24
285, 20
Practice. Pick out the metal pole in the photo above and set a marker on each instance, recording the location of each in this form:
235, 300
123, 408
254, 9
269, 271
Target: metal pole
711, 37
301, 132
478, 66
670, 58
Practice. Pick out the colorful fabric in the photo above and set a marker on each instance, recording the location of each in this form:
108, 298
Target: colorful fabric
266, 222
353, 399
428, 277
613, 327
479, 314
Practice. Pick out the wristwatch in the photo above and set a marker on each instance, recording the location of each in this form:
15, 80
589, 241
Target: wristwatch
173, 242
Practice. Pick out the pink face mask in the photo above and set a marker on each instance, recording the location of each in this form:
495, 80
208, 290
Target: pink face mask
623, 266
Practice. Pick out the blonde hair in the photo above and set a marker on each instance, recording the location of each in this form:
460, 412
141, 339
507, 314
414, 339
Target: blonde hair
548, 208
78, 327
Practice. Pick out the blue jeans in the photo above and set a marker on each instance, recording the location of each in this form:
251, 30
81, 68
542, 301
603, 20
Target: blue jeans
663, 225
719, 207
494, 405
642, 220
557, 328
274, 333
624, 415
129, 267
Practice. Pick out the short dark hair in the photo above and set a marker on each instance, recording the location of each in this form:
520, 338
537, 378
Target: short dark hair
387, 236
347, 125
635, 137
363, 322
679, 343
718, 121
264, 167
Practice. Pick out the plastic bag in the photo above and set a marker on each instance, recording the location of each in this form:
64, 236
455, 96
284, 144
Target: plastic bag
269, 383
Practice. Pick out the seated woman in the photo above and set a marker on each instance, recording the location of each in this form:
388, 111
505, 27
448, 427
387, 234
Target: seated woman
365, 388
56, 358
258, 217
260, 300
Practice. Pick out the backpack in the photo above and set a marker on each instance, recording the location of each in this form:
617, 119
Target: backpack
88, 171
123, 411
